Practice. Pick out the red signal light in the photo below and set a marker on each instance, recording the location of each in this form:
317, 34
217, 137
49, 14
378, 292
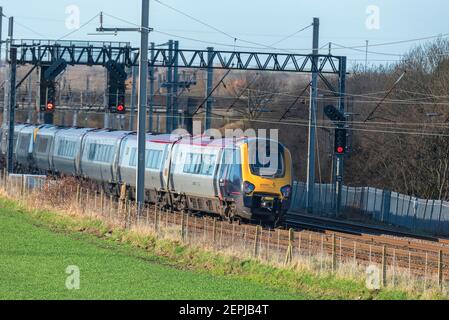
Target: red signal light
340, 150
120, 108
50, 106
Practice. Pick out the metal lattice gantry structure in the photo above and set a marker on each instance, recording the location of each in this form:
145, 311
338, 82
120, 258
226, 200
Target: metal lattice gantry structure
44, 52
31, 51
90, 53
97, 53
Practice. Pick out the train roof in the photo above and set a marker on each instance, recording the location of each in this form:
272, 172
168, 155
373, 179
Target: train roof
208, 141
106, 133
74, 131
199, 140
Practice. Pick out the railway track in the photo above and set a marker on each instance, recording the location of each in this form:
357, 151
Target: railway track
313, 223
368, 234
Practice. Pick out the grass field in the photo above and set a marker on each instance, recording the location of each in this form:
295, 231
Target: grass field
33, 261
36, 247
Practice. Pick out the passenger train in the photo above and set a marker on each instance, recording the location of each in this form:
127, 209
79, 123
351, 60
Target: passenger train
200, 174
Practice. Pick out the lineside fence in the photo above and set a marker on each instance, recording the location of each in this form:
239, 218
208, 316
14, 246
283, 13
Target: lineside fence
419, 215
409, 266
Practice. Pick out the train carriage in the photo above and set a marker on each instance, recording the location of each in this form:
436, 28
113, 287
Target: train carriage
246, 177
100, 155
4, 141
66, 151
157, 151
25, 146
193, 174
43, 148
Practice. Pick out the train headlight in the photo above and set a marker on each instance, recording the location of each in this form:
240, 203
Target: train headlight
248, 187
286, 191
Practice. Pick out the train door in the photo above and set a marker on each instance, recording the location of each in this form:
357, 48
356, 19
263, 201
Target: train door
230, 180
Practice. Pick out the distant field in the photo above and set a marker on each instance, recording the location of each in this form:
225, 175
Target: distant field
33, 261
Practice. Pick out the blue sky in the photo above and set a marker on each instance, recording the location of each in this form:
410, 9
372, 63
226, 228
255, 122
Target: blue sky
265, 22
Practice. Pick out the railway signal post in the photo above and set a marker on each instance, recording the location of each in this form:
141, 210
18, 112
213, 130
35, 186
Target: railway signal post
12, 107
340, 156
144, 30
339, 120
312, 117
143, 74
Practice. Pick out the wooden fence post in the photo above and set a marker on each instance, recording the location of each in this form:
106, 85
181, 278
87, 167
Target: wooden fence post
268, 245
384, 266
155, 217
148, 215
78, 191
111, 206
214, 231
233, 235
102, 201
22, 186
256, 241
182, 226
440, 269
128, 219
334, 253
289, 253
123, 197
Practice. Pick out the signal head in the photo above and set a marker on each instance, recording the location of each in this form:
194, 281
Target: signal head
121, 108
340, 141
50, 107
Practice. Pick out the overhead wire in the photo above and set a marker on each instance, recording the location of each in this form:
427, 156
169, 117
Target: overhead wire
370, 52
305, 124
233, 37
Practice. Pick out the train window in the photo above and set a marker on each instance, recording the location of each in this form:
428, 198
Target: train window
208, 165
101, 155
193, 163
189, 164
235, 177
92, 150
153, 159
264, 163
100, 152
107, 153
66, 148
132, 158
42, 145
231, 171
197, 163
25, 141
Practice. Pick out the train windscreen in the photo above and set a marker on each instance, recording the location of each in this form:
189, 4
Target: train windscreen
266, 158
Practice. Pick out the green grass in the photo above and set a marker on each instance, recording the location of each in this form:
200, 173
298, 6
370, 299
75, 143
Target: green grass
34, 260
36, 247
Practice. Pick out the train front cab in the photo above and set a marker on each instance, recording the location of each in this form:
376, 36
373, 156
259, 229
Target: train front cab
257, 196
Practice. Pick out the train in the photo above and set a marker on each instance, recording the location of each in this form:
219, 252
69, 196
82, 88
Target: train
223, 177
